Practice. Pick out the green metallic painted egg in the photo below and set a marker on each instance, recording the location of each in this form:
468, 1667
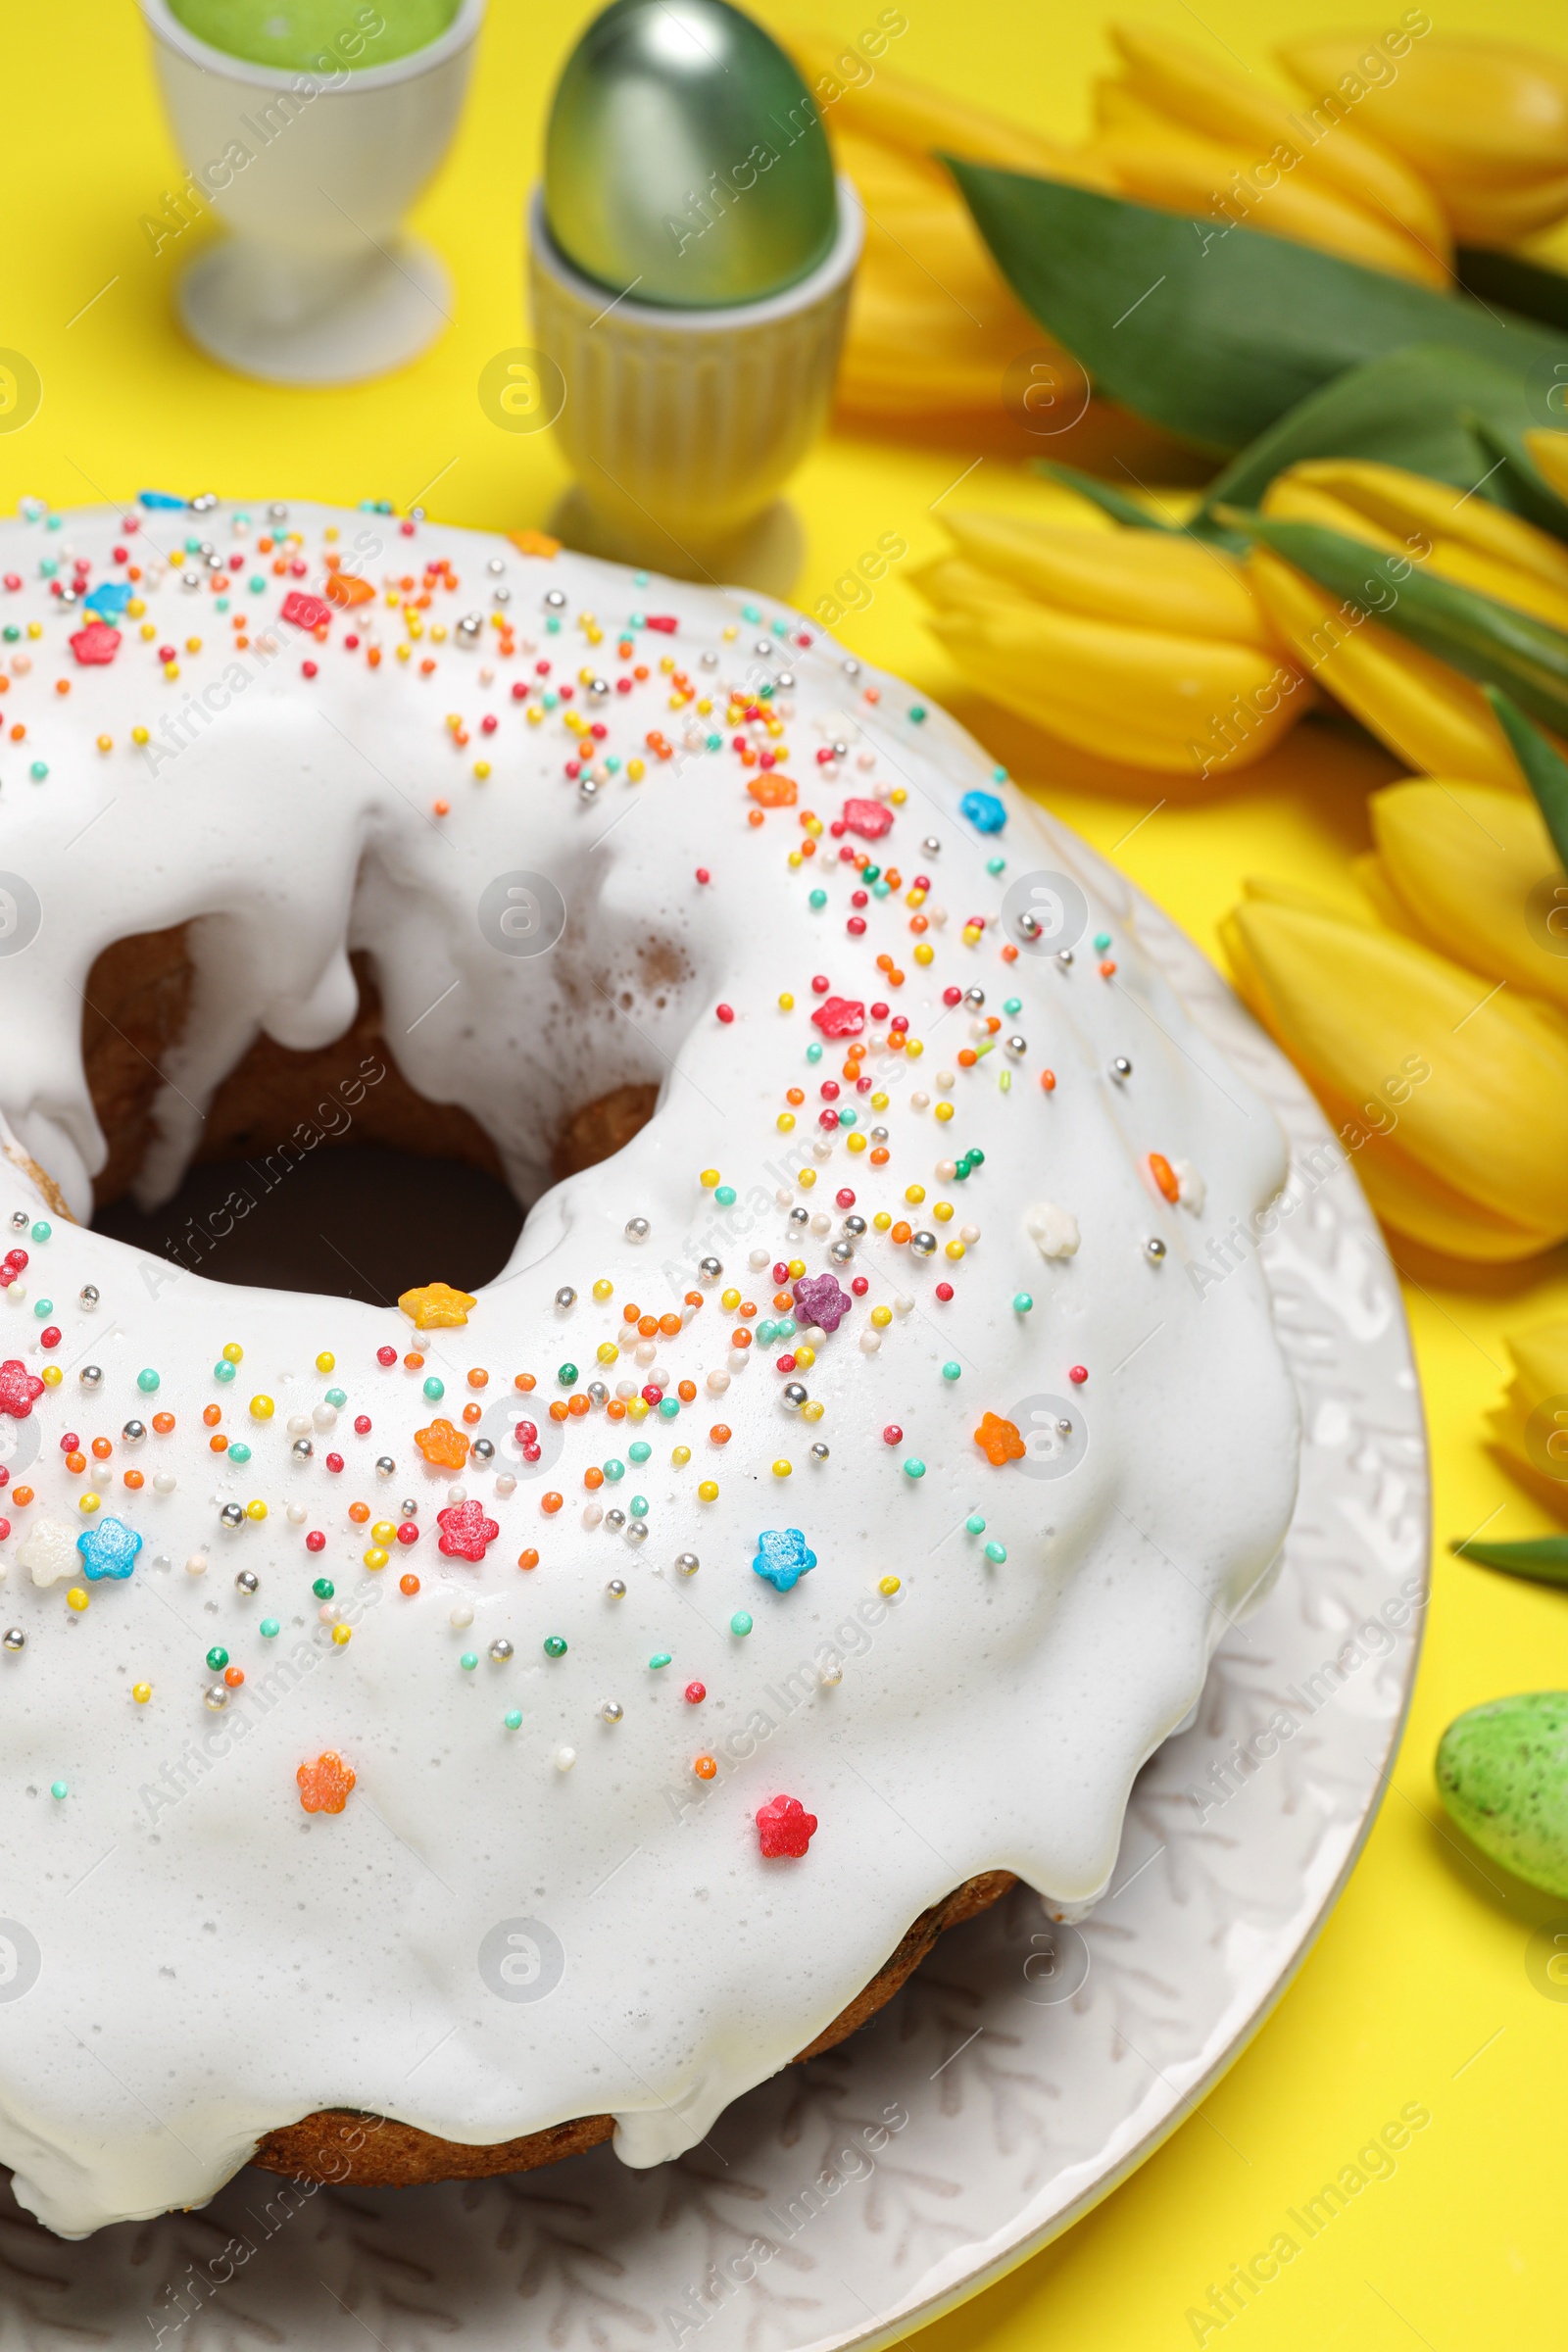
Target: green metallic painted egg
1503, 1770
685, 161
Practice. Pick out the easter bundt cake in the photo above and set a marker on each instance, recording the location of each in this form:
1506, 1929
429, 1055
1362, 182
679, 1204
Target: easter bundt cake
442, 1731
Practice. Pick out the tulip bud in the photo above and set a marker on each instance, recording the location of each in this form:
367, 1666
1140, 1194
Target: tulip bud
1474, 872
1450, 1095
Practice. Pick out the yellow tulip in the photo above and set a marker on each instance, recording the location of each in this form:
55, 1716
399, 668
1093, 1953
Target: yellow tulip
1182, 133
1529, 1428
1432, 717
1473, 871
1550, 453
1484, 123
933, 326
1143, 647
1184, 83
1450, 1101
1450, 532
1160, 162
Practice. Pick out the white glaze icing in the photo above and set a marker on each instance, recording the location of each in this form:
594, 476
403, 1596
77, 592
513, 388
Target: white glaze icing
212, 1960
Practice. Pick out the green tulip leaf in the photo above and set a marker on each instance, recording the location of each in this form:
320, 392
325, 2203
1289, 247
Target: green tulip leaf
1449, 415
1543, 1559
1481, 637
1545, 771
1522, 286
1133, 517
1210, 333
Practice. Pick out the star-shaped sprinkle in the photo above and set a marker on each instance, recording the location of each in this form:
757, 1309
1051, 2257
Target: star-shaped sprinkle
108, 1547
999, 1440
436, 1306
819, 1300
325, 1785
784, 1827
95, 645
466, 1531
783, 1557
48, 1552
840, 1017
17, 1388
447, 1447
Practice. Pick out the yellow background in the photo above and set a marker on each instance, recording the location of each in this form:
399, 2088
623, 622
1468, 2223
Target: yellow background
1423, 1964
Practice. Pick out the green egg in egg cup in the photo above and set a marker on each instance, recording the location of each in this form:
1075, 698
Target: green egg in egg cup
690, 256
310, 134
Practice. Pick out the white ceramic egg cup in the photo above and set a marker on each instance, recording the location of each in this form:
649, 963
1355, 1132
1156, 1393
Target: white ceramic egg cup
683, 425
316, 282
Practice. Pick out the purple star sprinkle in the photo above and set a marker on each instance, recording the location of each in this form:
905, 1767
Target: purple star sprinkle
818, 1300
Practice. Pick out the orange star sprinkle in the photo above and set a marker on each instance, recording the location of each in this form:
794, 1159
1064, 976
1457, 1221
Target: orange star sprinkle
999, 1440
436, 1306
447, 1447
325, 1785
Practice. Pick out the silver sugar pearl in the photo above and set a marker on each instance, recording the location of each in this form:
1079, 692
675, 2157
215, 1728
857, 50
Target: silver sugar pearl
494, 568
851, 668
587, 789
19, 1221
1064, 958
277, 513
820, 1452
931, 845
611, 1710
233, 1515
785, 681
637, 1533
1155, 1247
204, 502
1029, 924
565, 1297
501, 596
87, 1295
879, 1135
500, 1649
133, 1433
841, 1252
91, 1376
924, 1244
385, 1466
13, 1637
483, 1450
615, 1519
638, 1229
408, 1508
555, 600
1121, 1068
975, 997
599, 688
215, 1696
710, 1269
708, 660
616, 1587
302, 1450
470, 627
854, 1227
795, 1396
764, 649
1017, 1046
1065, 1429
247, 1583
799, 1216
687, 1562
598, 1394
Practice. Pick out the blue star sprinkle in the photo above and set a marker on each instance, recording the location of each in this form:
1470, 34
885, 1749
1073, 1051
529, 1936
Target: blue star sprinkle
984, 810
782, 1557
109, 1547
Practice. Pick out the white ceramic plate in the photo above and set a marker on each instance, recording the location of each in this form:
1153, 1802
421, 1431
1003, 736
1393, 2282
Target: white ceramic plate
1020, 2075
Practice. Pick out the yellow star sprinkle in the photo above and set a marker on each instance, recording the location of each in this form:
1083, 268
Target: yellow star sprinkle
437, 1306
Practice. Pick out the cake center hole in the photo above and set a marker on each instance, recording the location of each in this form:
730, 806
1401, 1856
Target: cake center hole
319, 1171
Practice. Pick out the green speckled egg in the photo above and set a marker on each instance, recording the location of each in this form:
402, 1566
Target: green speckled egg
685, 161
1503, 1770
